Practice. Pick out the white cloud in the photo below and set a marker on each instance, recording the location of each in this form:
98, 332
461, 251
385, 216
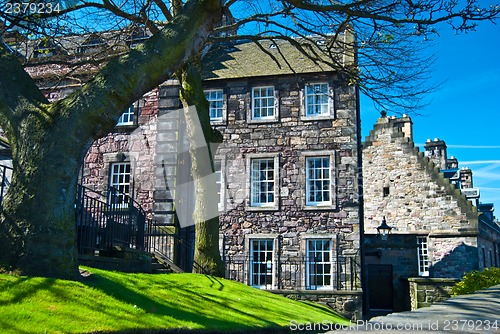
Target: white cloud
480, 162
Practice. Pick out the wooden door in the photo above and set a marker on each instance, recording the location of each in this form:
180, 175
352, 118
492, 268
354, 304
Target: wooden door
380, 287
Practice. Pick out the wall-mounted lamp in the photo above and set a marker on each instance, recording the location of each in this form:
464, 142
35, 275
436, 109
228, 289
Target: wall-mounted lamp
384, 230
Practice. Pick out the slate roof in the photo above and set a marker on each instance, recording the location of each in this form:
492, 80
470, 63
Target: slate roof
223, 61
247, 59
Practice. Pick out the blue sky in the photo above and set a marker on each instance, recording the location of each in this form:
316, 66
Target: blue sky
465, 110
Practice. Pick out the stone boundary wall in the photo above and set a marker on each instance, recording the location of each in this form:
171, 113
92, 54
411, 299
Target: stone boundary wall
349, 304
427, 291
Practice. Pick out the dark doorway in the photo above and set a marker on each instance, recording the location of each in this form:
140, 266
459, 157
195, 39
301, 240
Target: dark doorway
380, 288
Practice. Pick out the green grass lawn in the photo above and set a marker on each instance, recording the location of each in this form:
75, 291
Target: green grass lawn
120, 302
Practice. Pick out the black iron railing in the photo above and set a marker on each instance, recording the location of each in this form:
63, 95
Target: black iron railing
342, 273
169, 246
105, 220
5, 175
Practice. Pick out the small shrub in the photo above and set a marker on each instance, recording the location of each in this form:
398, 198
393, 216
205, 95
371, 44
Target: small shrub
477, 280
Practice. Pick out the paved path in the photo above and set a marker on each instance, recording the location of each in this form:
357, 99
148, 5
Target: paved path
474, 313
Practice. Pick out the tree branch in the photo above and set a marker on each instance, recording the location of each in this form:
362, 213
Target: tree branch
355, 9
125, 79
164, 9
18, 92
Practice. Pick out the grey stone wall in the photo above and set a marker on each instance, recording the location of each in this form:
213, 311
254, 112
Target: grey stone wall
290, 138
407, 188
489, 245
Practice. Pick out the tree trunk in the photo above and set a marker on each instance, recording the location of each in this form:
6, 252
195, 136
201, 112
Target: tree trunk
40, 222
38, 230
205, 215
49, 141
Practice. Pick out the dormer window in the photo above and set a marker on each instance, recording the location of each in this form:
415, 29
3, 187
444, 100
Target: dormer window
137, 37
127, 118
92, 44
45, 49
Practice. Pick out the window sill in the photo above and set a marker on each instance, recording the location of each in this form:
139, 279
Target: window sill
217, 122
316, 118
262, 120
318, 207
262, 208
126, 127
319, 288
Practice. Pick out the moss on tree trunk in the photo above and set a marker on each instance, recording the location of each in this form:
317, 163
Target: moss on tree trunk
207, 253
38, 229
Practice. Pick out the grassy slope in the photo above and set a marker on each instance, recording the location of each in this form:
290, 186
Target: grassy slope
112, 301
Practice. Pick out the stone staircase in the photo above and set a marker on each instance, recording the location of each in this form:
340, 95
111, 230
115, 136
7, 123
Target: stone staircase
162, 265
157, 267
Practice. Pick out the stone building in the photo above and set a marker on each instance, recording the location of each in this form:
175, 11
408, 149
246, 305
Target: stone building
436, 232
287, 169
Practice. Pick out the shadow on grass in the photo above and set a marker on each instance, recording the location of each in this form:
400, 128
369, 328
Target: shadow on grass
24, 288
205, 303
215, 280
265, 330
117, 290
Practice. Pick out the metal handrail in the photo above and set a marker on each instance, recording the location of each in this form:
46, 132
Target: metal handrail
102, 225
172, 247
5, 182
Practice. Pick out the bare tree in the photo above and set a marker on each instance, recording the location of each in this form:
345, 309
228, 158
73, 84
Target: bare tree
384, 59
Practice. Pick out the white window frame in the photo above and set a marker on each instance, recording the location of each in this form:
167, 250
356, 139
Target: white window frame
265, 263
251, 191
319, 178
216, 104
313, 262
220, 180
128, 117
259, 185
312, 93
423, 256
329, 113
120, 178
270, 101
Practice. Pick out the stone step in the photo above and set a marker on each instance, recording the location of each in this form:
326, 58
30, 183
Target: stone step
157, 266
163, 271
